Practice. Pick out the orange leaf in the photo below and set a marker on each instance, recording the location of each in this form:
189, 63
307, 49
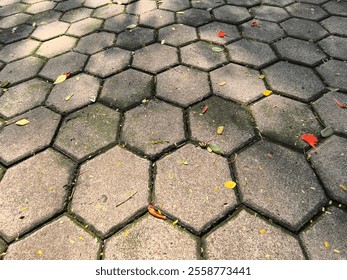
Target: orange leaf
254, 23
221, 34
310, 139
152, 211
204, 109
341, 105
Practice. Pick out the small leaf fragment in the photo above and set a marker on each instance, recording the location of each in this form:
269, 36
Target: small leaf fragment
341, 105
326, 244
326, 132
217, 49
68, 97
209, 149
181, 13
131, 26
343, 187
175, 222
261, 76
162, 42
5, 84
216, 149
203, 111
254, 23
221, 34
22, 122
60, 79
81, 238
262, 231
310, 139
126, 233
267, 92
220, 130
230, 184
183, 162
39, 252
222, 83
333, 89
92, 98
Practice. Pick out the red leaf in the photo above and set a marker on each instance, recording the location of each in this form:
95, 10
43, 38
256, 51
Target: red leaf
341, 105
310, 139
254, 23
68, 74
221, 34
204, 109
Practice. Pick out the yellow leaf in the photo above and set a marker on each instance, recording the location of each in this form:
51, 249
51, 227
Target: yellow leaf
326, 244
72, 241
22, 122
342, 187
60, 79
126, 233
170, 176
267, 92
81, 238
220, 130
262, 231
131, 26
39, 252
261, 76
184, 162
78, 78
190, 190
216, 188
118, 163
230, 184
209, 149
51, 188
175, 222
180, 13
337, 251
24, 208
159, 212
222, 83
68, 97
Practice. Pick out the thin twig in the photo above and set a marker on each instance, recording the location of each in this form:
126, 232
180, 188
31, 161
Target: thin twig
119, 204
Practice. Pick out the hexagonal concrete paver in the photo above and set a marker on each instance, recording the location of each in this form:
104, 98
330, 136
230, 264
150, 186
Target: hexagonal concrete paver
139, 241
269, 13
177, 34
29, 198
17, 142
134, 39
108, 11
12, 9
84, 27
95, 3
40, 7
303, 29
231, 14
61, 239
285, 120
18, 50
307, 11
239, 83
334, 73
119, 23
108, 62
127, 89
23, 97
265, 31
76, 15
95, 42
209, 33
237, 123
207, 4
141, 7
69, 5
160, 56
242, 237
45, 18
3, 247
193, 17
245, 3
193, 176
88, 130
122, 179
56, 46
12, 21
157, 18
266, 183
335, 46
174, 6
73, 94
21, 32
153, 127
325, 239
50, 30
336, 7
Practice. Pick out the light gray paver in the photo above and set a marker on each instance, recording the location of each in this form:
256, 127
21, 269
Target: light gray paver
135, 38
245, 3
336, 7
108, 11
84, 27
119, 23
141, 7
174, 6
50, 30
76, 15
95, 3
206, 4
95, 42
264, 31
307, 11
231, 14
194, 17
18, 50
177, 34
11, 21
303, 29
334, 73
56, 46
210, 31
269, 13
41, 7
335, 25
335, 46
157, 18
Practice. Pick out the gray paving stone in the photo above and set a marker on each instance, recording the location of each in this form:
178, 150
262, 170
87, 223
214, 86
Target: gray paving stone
177, 34
95, 42
141, 7
86, 131
56, 46
269, 13
69, 5
199, 182
237, 123
201, 55
174, 6
182, 85
206, 4
8, 2
12, 9
139, 241
127, 89
45, 18
265, 31
314, 1
61, 239
157, 18
231, 14
119, 23
108, 11
3, 246
245, 3
80, 92
21, 32
253, 53
70, 62
136, 38
11, 21
209, 32
285, 120
306, 11
23, 97
95, 3
194, 17
299, 51
330, 113
279, 3
329, 228
153, 127
293, 80
18, 50
335, 47
51, 30
108, 62
242, 84
334, 73
20, 70
240, 239
40, 7
84, 27
336, 8
266, 183
118, 174
76, 15
160, 56
29, 198
304, 29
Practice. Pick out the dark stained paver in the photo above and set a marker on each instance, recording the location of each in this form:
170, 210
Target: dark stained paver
193, 17
21, 32
335, 47
95, 42
334, 73
135, 38
304, 29
231, 14
157, 18
269, 13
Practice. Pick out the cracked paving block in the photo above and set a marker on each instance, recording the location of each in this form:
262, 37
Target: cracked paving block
335, 47
122, 179
160, 56
136, 38
242, 84
247, 236
157, 18
206, 4
245, 3
95, 3
56, 46
182, 85
84, 27
338, 8
88, 130
153, 128
73, 94
253, 53
69, 5
334, 73
11, 21
330, 162
127, 89
201, 55
193, 176
23, 97
18, 50
177, 34
174, 6
141, 7
306, 11
30, 198
231, 14
285, 120
266, 183
76, 15
279, 3
12, 9
236, 121
61, 239
108, 62
108, 11
40, 7
45, 18
209, 33
265, 31
50, 30
95, 42
21, 32
299, 51
194, 17
20, 70
269, 13
139, 241
304, 29
119, 23
70, 62
330, 113
293, 80
325, 239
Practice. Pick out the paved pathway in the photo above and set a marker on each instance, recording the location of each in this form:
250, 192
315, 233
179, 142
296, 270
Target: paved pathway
162, 108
